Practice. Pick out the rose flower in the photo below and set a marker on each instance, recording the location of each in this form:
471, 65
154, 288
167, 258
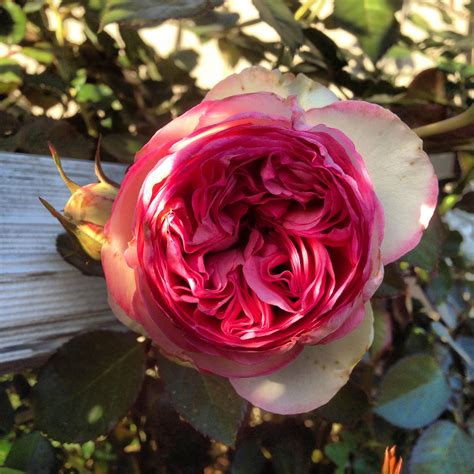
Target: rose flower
251, 232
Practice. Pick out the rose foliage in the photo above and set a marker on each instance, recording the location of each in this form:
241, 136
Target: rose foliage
251, 232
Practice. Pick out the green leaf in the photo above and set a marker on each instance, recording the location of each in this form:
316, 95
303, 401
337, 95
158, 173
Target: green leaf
347, 406
229, 51
36, 132
413, 392
12, 23
418, 340
443, 447
180, 445
420, 21
372, 21
185, 59
5, 446
70, 249
45, 89
32, 6
290, 444
248, 458
145, 12
212, 22
251, 48
8, 143
9, 124
427, 253
441, 284
280, 17
101, 95
88, 385
327, 48
466, 343
382, 331
393, 284
137, 51
10, 75
339, 452
32, 452
365, 463
208, 402
42, 52
7, 415
122, 146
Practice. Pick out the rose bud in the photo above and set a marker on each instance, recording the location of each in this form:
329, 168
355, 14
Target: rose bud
251, 232
88, 208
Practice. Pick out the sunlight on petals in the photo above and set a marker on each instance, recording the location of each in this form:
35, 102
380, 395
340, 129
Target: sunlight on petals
313, 378
426, 213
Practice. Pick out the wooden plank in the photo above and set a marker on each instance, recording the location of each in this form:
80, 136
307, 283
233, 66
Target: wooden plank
43, 300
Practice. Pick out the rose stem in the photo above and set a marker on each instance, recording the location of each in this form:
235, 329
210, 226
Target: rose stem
462, 120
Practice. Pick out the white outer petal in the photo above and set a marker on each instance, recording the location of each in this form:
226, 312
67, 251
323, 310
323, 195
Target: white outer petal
309, 94
401, 171
313, 378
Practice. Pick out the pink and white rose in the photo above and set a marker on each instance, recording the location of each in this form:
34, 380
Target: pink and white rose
251, 232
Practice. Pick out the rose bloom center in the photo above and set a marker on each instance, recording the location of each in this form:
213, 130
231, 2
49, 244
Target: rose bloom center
255, 236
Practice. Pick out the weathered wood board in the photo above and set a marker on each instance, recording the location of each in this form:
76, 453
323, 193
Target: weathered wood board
43, 299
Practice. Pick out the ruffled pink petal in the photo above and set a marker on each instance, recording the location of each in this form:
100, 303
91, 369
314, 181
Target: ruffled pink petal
313, 378
119, 229
172, 341
309, 94
400, 170
338, 326
119, 276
